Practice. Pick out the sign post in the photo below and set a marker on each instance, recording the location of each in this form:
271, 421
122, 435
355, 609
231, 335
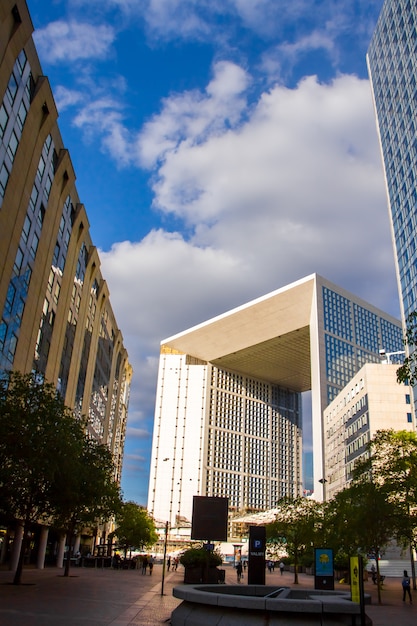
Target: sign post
257, 545
323, 569
356, 584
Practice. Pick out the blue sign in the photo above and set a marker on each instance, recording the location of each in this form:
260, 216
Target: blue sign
324, 562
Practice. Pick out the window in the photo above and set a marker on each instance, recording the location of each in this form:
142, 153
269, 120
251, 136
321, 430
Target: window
26, 229
33, 198
4, 177
18, 261
34, 245
4, 118
11, 292
409, 418
407, 398
21, 115
3, 333
12, 88
12, 147
41, 168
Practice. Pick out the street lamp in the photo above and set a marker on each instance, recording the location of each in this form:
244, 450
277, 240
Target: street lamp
387, 355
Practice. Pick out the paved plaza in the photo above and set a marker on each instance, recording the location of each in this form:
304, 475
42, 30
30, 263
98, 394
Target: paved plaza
105, 597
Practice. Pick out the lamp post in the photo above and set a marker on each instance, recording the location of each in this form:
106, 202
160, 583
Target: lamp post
165, 557
387, 355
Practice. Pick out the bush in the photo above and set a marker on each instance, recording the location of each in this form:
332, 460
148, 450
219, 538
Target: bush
197, 557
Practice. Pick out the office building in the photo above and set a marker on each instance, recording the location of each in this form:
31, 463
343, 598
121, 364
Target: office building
392, 64
228, 416
55, 313
373, 400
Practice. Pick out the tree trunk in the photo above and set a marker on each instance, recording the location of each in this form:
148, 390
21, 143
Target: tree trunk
413, 565
378, 577
70, 536
25, 540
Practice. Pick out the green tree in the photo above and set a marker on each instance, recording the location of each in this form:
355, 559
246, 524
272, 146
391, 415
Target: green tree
85, 492
407, 373
362, 520
297, 524
37, 431
393, 464
134, 527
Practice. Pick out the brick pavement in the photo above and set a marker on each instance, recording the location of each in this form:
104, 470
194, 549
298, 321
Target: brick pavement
105, 597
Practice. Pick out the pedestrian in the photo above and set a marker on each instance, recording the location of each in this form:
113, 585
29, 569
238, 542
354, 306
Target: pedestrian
144, 564
151, 560
239, 571
269, 566
406, 586
281, 567
168, 563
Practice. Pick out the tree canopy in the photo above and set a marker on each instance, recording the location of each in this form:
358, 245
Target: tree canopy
297, 523
49, 469
408, 371
134, 527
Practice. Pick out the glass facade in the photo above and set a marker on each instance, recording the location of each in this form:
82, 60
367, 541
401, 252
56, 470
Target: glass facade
353, 336
392, 62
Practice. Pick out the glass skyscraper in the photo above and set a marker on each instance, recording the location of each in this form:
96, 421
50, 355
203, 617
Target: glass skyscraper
392, 64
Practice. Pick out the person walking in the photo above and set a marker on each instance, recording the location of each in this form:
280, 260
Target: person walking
144, 565
239, 571
281, 567
406, 586
150, 563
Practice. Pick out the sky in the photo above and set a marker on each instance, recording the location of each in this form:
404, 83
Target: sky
223, 149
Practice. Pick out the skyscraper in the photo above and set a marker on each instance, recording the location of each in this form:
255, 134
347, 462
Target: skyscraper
55, 312
228, 411
392, 64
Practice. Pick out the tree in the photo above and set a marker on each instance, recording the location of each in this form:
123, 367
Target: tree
85, 492
393, 463
363, 520
297, 524
407, 373
37, 431
134, 527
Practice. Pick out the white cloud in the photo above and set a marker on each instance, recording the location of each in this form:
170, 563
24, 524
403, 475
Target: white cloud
296, 189
65, 98
69, 41
192, 117
104, 117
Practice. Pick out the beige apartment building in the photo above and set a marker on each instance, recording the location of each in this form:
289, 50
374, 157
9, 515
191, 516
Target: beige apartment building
373, 400
55, 312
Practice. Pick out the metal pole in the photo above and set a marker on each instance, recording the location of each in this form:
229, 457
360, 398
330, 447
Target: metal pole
165, 556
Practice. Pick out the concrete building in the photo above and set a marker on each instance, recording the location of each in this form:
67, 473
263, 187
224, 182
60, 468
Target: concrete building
55, 313
228, 408
373, 400
392, 64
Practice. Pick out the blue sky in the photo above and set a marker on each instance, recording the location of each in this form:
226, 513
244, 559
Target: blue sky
223, 149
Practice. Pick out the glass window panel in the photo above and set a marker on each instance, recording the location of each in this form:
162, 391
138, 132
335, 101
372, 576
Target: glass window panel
41, 168
34, 245
21, 115
26, 229
4, 177
4, 118
13, 145
12, 88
